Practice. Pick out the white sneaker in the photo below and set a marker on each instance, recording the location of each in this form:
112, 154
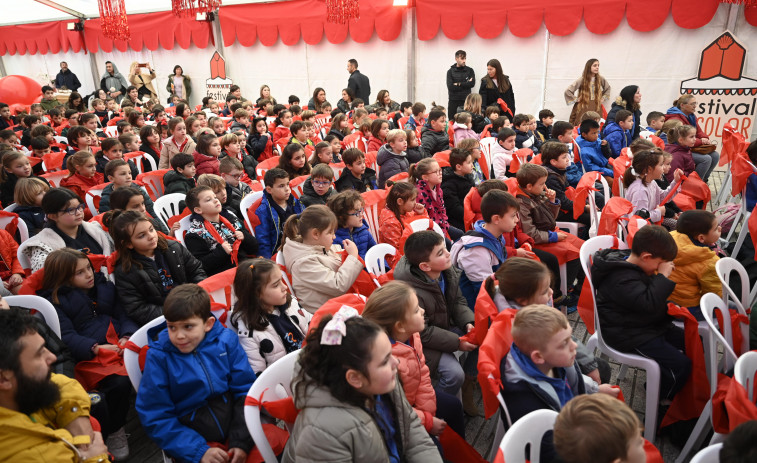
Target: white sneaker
118, 445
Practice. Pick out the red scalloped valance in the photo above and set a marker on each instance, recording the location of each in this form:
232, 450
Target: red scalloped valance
750, 13
306, 19
561, 17
151, 31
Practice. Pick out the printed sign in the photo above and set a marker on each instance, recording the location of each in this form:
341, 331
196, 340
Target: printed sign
218, 85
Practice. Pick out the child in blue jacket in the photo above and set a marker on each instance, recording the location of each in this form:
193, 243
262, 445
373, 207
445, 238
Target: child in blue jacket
195, 381
618, 132
275, 208
349, 208
592, 156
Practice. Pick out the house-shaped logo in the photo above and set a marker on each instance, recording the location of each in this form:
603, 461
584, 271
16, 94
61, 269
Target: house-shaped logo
218, 85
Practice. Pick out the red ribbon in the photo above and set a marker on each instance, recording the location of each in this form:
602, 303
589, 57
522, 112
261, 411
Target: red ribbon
214, 233
107, 362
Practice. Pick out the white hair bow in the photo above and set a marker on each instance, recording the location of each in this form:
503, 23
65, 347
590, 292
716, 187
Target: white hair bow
336, 329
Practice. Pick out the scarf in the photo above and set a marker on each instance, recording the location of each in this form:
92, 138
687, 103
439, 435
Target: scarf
217, 236
559, 383
434, 205
290, 335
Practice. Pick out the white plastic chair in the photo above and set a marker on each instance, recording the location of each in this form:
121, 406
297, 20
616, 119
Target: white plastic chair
725, 268
90, 198
41, 305
709, 454
274, 383
744, 213
527, 432
11, 207
746, 367
423, 224
182, 230
140, 160
111, 131
371, 215
589, 248
280, 261
374, 258
25, 262
60, 139
486, 149
54, 178
167, 206
245, 204
23, 230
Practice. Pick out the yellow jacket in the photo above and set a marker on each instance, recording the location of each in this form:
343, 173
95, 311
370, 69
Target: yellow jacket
695, 273
41, 436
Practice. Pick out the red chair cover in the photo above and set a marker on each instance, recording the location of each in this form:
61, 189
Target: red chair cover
731, 405
107, 362
585, 185
494, 348
613, 212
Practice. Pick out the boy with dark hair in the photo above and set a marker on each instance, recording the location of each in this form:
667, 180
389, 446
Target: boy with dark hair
457, 180
241, 121
416, 118
230, 100
592, 150
275, 207
355, 176
563, 132
39, 146
294, 100
434, 136
544, 126
739, 445
427, 267
181, 178
30, 122
48, 99
481, 251
632, 290
317, 188
523, 139
203, 404
618, 132
502, 152
231, 172
8, 136
556, 159
6, 120
655, 120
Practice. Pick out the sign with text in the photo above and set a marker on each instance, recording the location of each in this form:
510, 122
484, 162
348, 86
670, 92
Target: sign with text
218, 85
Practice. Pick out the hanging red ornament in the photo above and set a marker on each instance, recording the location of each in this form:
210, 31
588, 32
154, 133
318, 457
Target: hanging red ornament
113, 19
189, 8
341, 11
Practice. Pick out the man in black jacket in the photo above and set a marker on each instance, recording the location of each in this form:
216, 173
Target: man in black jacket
359, 83
66, 78
460, 79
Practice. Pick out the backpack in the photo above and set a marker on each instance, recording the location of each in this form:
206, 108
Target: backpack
725, 216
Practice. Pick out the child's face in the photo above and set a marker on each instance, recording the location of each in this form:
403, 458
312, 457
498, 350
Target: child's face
627, 124
543, 294
160, 115
13, 139
233, 147
242, 139
21, 168
466, 167
438, 124
132, 146
358, 167
274, 293
187, 334
56, 119
398, 145
548, 121
336, 146
214, 149
324, 155
5, 112
591, 135
384, 130
566, 138
84, 277
655, 173
91, 124
245, 121
649, 264
407, 206
382, 369
49, 94
560, 351
100, 106
323, 238
136, 203
286, 119
666, 162
280, 190
73, 120
438, 260
88, 169
261, 126
302, 134
121, 177
144, 238
413, 321
70, 216
532, 125
219, 127
507, 124
127, 129
343, 124
82, 141
232, 178
116, 152
523, 127
508, 220
298, 159
561, 162
50, 137
355, 217
712, 236
689, 139
508, 144
538, 187
40, 153
434, 175
111, 105
656, 124
321, 185
214, 108
180, 131
221, 195
188, 170
39, 196
208, 204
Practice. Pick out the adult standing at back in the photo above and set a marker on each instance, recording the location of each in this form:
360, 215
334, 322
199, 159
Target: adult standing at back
629, 99
66, 78
460, 81
359, 83
495, 85
113, 82
143, 81
178, 85
592, 89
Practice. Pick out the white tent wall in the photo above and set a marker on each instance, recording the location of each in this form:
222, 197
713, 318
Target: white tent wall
37, 65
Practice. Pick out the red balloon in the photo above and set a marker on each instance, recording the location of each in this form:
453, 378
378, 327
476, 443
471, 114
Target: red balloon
17, 108
19, 89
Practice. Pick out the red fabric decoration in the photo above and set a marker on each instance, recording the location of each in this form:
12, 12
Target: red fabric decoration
731, 405
282, 409
741, 169
115, 24
504, 106
613, 212
565, 251
107, 362
485, 311
332, 306
520, 157
586, 299
733, 143
752, 225
216, 236
190, 8
364, 283
186, 212
585, 185
619, 166
223, 280
634, 223
653, 454
693, 189
736, 320
689, 402
456, 449
341, 11
12, 226
494, 348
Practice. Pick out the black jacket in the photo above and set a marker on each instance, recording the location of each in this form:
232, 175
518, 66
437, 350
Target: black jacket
455, 187
465, 77
336, 133
216, 260
310, 197
361, 85
256, 144
636, 119
141, 290
489, 96
544, 131
558, 181
632, 306
67, 79
147, 149
347, 181
433, 142
174, 182
33, 216
479, 123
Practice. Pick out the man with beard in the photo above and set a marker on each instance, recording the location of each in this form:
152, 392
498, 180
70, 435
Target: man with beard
44, 417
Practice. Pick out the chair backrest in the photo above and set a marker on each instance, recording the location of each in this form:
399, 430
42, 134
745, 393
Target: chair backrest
111, 131
587, 251
725, 268
426, 224
522, 442
744, 371
221, 287
183, 229
274, 383
154, 182
709, 454
167, 206
280, 261
131, 359
374, 258
711, 303
486, 149
297, 184
41, 305
245, 204
54, 178
93, 198
139, 159
25, 262
23, 230
265, 166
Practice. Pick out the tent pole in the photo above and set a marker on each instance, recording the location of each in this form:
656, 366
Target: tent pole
217, 35
62, 8
410, 29
3, 73
733, 14
93, 69
547, 37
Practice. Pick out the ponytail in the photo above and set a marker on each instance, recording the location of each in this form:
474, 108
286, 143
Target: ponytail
317, 217
642, 161
421, 168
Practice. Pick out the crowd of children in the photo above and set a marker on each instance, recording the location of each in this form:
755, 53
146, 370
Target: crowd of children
490, 192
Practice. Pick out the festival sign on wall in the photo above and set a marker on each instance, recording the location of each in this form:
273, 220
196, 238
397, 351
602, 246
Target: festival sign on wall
218, 85
724, 95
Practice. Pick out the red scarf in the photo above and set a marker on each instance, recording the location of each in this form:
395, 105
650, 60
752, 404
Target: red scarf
181, 148
217, 236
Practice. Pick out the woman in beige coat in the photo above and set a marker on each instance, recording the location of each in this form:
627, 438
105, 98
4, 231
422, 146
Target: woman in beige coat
592, 90
142, 80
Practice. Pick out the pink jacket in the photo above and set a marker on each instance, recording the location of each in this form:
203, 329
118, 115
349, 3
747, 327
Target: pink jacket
462, 132
416, 379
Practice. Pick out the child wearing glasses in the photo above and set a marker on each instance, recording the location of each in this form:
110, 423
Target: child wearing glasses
232, 172
348, 206
427, 176
317, 188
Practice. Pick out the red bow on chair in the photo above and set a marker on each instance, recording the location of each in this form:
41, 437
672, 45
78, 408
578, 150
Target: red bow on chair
585, 185
504, 106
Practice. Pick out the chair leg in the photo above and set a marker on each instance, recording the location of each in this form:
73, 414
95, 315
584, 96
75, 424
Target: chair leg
742, 235
564, 285
653, 400
734, 224
498, 435
697, 436
725, 189
622, 373
591, 344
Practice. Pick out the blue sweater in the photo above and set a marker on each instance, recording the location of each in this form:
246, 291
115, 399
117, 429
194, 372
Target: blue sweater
361, 236
617, 138
271, 227
592, 157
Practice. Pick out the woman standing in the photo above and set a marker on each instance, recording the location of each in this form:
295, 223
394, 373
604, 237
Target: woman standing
630, 99
319, 97
345, 103
143, 81
496, 85
383, 100
683, 110
178, 85
592, 89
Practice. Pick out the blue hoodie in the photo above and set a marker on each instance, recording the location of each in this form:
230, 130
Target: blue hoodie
478, 237
592, 157
361, 236
617, 138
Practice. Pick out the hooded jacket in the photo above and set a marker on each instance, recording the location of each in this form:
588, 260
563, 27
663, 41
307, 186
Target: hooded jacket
433, 142
455, 188
682, 159
352, 433
174, 182
443, 311
694, 273
465, 77
592, 157
310, 197
318, 274
616, 137
632, 306
205, 164
175, 384
538, 217
416, 378
477, 255
39, 246
390, 163
361, 236
115, 81
270, 229
347, 181
67, 79
691, 119
462, 132
557, 180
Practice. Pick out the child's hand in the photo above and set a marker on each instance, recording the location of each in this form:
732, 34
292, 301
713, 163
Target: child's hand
15, 280
226, 247
661, 208
520, 252
122, 342
604, 142
174, 228
437, 426
215, 455
238, 234
419, 208
469, 327
97, 447
115, 349
350, 247
595, 376
609, 390
561, 236
465, 346
237, 455
550, 194
677, 175
666, 268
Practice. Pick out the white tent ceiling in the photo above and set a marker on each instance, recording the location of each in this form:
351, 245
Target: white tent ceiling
31, 11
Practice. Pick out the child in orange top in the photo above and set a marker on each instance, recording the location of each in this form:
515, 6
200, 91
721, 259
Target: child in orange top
400, 210
282, 123
11, 271
84, 175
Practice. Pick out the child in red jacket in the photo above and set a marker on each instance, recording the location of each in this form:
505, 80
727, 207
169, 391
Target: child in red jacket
83, 174
206, 155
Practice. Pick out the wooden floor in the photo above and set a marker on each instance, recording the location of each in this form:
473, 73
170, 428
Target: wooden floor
479, 431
